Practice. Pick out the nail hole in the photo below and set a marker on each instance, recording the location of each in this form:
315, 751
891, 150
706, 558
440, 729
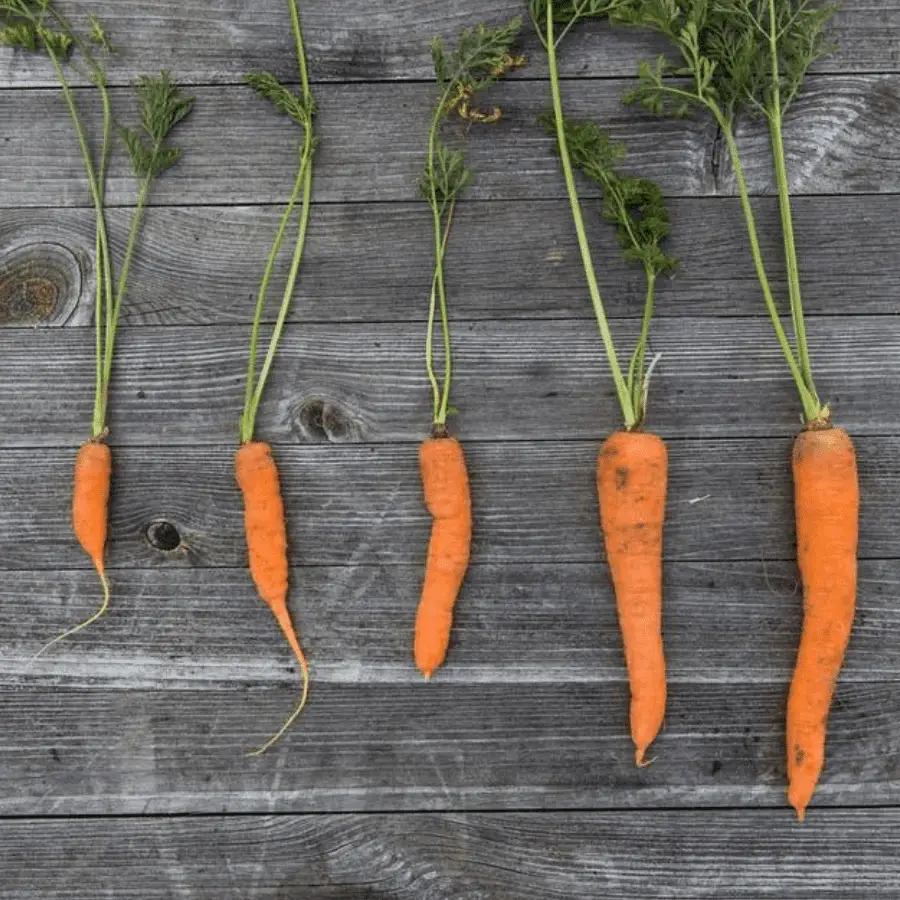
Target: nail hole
163, 536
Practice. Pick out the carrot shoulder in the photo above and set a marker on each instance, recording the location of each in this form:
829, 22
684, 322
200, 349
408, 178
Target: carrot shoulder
632, 473
826, 497
445, 482
264, 524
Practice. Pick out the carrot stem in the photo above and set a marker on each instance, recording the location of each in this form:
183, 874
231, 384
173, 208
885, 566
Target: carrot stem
247, 432
628, 411
812, 409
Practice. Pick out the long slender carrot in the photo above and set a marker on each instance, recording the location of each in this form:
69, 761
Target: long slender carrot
445, 482
257, 477
826, 497
632, 472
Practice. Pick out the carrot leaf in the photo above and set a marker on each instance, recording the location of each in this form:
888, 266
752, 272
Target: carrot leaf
296, 107
482, 55
162, 107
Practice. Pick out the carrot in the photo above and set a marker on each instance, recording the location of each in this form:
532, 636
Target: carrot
255, 469
483, 55
826, 497
632, 470
42, 28
257, 477
90, 504
445, 482
632, 466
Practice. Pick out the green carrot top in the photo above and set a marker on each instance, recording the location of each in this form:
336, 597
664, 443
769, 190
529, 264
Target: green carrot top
482, 56
741, 56
635, 206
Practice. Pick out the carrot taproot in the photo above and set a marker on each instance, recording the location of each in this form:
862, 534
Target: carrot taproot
632, 474
445, 482
90, 512
826, 498
267, 548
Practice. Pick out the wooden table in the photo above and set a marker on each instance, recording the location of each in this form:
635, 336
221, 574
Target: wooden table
122, 766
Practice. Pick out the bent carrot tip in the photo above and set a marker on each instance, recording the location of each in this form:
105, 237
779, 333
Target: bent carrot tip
640, 759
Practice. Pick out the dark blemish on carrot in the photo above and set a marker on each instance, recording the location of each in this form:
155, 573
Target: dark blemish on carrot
621, 478
799, 755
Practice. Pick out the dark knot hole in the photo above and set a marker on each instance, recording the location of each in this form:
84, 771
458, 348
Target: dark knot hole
163, 536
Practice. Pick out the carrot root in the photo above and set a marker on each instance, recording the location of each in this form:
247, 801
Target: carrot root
826, 496
632, 472
264, 524
445, 484
90, 513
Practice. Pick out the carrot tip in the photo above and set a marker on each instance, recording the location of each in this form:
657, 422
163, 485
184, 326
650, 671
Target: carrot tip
427, 673
640, 760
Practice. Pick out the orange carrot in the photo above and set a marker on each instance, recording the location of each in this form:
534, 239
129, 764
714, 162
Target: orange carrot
826, 497
257, 477
632, 471
90, 505
445, 482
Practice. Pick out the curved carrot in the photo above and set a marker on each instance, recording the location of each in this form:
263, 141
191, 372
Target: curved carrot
632, 472
826, 497
257, 476
445, 482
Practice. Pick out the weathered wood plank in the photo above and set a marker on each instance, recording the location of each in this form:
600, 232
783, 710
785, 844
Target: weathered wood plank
689, 855
369, 262
513, 381
358, 41
444, 745
351, 504
724, 623
238, 150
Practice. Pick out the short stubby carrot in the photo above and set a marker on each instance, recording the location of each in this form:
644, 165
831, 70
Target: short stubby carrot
266, 532
445, 482
632, 474
826, 497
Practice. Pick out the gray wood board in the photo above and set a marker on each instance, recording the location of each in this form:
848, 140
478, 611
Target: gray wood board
238, 150
663, 855
349, 383
515, 745
515, 624
509, 260
351, 504
359, 41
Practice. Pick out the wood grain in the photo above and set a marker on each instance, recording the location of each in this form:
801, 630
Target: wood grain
239, 151
672, 855
516, 624
352, 504
506, 260
360, 41
442, 746
537, 380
